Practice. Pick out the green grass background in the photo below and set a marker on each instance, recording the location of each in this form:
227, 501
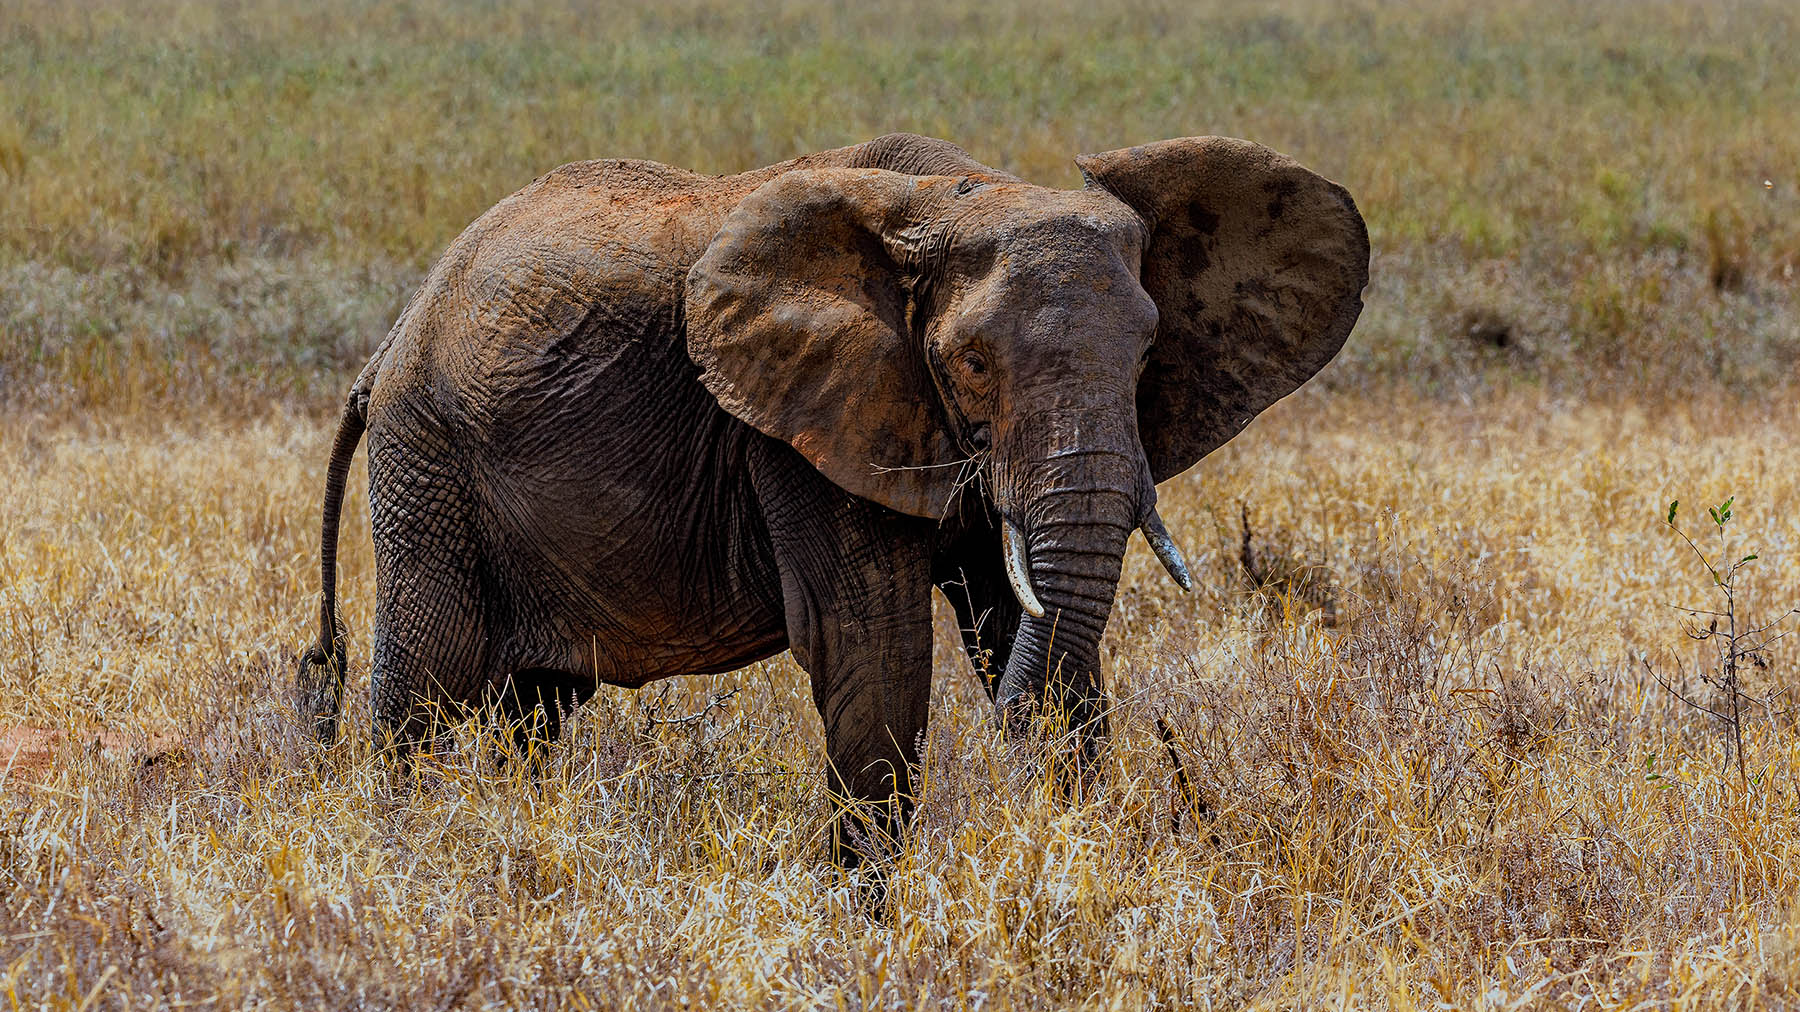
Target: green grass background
247, 191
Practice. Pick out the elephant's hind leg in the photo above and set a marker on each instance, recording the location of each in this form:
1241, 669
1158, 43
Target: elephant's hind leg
432, 635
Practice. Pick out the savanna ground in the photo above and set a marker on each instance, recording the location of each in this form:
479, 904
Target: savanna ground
1429, 698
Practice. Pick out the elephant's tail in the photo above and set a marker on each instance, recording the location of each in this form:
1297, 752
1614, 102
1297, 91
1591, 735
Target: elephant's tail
322, 667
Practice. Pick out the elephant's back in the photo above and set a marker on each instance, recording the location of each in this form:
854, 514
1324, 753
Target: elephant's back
580, 267
560, 278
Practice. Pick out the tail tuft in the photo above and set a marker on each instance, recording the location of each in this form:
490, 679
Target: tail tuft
319, 688
319, 683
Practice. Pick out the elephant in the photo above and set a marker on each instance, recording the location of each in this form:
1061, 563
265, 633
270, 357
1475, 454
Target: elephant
640, 422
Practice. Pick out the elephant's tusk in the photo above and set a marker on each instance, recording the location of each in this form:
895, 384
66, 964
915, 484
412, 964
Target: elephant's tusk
1018, 569
1164, 547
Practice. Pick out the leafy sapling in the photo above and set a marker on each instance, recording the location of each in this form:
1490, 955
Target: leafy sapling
1737, 640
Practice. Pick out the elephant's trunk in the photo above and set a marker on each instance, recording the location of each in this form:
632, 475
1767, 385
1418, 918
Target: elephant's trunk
1066, 518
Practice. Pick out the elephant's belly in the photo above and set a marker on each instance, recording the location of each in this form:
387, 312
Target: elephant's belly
658, 609
638, 551
642, 655
632, 617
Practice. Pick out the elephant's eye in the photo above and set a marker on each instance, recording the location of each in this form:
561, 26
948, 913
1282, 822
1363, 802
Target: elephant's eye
972, 368
971, 362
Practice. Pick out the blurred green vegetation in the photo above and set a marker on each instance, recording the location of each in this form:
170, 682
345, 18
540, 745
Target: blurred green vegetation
148, 147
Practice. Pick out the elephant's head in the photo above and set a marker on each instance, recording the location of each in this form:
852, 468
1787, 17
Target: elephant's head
1057, 352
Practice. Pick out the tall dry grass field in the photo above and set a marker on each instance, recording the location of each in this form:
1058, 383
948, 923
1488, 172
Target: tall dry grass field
1434, 689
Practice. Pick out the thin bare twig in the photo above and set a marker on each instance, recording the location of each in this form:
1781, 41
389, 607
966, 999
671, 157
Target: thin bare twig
1195, 802
652, 719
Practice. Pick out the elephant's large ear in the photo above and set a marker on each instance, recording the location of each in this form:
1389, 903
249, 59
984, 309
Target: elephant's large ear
1257, 267
798, 313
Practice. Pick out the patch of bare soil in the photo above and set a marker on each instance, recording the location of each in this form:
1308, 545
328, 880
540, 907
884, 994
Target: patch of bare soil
26, 753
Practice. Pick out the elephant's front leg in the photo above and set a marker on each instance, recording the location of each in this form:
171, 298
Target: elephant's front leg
856, 588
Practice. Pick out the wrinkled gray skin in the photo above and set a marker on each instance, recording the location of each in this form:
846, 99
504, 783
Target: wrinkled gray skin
639, 422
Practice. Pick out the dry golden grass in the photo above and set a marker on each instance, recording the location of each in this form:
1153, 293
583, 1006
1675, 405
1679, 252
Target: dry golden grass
1441, 796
